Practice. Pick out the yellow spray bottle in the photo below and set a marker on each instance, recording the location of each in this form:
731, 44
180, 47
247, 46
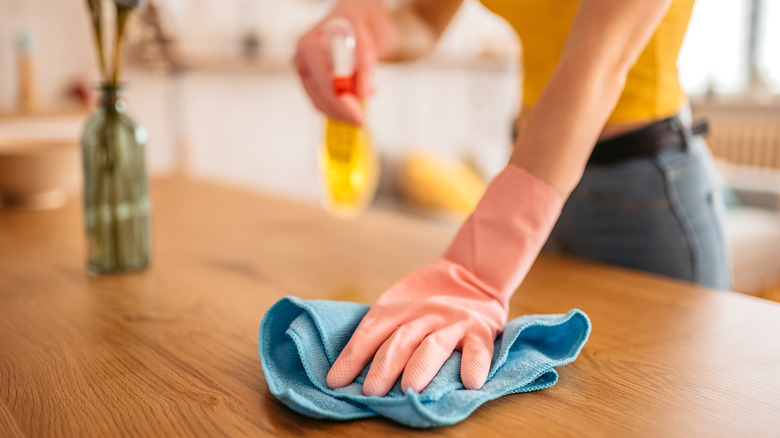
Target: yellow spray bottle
348, 164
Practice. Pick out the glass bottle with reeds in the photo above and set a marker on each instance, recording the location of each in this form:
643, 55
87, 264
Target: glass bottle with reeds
116, 194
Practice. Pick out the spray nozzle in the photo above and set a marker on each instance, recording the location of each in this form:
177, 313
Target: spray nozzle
340, 35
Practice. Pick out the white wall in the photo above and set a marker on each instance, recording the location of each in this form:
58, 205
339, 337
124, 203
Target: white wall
258, 129
215, 27
63, 52
63, 46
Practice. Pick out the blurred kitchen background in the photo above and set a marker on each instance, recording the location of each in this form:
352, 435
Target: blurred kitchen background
213, 84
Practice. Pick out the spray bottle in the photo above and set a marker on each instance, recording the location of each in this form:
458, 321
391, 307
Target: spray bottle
349, 166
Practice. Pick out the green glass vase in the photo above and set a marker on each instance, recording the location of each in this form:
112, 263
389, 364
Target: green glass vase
116, 188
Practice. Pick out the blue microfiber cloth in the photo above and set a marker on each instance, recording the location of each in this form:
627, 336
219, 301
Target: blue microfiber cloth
300, 340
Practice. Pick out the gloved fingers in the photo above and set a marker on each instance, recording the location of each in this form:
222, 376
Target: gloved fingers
392, 356
313, 65
475, 364
366, 340
427, 360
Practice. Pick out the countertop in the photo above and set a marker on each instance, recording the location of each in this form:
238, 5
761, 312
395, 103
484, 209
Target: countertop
172, 350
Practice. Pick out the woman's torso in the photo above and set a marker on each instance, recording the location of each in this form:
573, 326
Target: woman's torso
652, 89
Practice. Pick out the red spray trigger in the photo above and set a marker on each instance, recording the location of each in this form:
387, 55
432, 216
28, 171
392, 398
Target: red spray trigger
340, 35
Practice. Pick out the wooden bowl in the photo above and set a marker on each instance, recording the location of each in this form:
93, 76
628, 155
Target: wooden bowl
38, 174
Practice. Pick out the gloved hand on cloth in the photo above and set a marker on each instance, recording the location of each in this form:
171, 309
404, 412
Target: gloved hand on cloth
459, 302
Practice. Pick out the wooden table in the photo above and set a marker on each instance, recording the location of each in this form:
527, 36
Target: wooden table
172, 351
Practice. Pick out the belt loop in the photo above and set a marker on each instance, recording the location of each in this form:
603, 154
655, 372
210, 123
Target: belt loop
684, 129
685, 119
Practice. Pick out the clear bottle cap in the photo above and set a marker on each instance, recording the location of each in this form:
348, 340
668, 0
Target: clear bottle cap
340, 35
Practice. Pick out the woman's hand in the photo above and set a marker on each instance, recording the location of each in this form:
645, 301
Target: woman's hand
459, 302
414, 327
374, 31
408, 32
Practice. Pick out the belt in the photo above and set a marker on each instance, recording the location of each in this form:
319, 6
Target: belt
647, 140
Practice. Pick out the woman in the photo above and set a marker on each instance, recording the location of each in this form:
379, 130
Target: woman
603, 124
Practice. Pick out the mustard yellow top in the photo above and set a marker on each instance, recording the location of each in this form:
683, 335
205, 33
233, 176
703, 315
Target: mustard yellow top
652, 88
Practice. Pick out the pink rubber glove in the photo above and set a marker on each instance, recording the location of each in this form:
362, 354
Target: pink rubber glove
460, 301
374, 37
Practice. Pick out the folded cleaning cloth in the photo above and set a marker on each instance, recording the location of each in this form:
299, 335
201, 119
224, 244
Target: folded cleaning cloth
300, 340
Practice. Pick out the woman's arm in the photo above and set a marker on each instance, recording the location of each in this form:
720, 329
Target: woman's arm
419, 24
461, 301
604, 42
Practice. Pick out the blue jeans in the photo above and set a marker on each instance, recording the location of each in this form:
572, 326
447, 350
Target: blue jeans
659, 214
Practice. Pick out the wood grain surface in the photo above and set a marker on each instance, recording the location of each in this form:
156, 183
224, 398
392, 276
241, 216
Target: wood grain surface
172, 351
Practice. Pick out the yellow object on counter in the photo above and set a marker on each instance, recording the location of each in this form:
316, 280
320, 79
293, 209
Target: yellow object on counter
439, 183
349, 167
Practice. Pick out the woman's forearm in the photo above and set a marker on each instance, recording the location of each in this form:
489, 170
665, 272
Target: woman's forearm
561, 129
405, 33
415, 38
417, 26
605, 40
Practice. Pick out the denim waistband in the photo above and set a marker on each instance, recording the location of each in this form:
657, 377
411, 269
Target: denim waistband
648, 140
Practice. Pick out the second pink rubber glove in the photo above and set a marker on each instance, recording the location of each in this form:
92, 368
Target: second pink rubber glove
458, 302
